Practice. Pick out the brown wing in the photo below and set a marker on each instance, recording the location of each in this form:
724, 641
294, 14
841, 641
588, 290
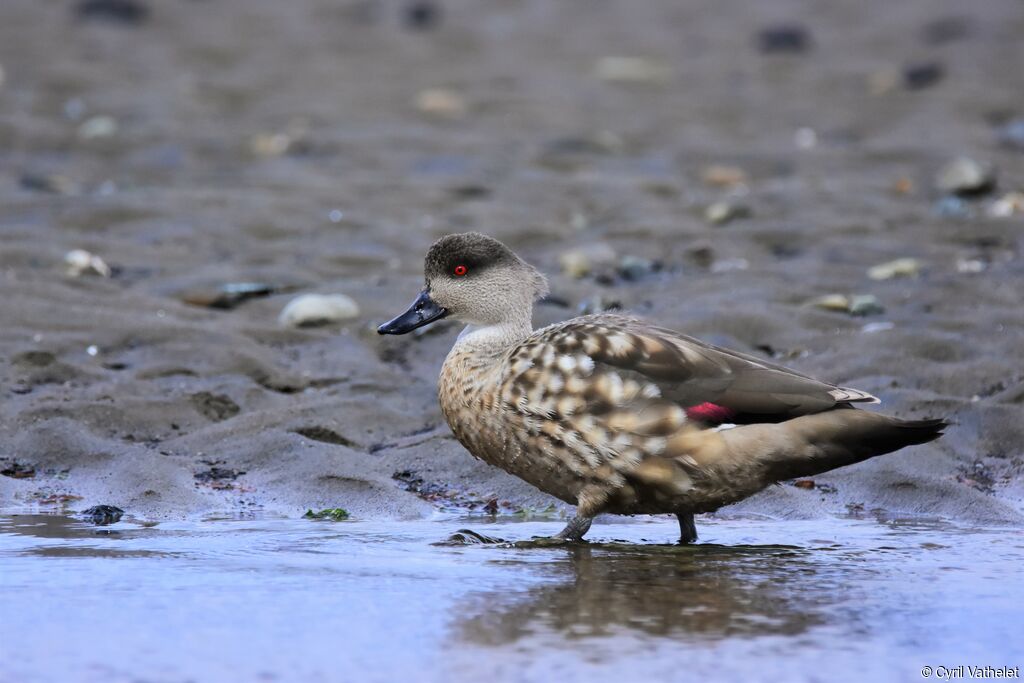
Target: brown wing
696, 375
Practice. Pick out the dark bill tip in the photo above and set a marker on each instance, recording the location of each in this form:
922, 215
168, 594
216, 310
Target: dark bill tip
422, 312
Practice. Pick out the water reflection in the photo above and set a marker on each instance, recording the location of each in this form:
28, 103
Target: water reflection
705, 591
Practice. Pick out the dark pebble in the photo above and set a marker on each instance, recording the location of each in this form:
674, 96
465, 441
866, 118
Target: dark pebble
101, 515
124, 12
923, 75
421, 15
784, 38
18, 471
218, 474
946, 30
1012, 134
229, 295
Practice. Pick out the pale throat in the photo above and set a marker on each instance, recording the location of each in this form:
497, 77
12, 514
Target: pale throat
495, 336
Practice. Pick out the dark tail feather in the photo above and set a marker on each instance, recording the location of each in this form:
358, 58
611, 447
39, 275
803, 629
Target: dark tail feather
812, 444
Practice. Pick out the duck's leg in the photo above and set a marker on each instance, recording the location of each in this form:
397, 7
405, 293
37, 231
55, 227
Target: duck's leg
687, 527
575, 529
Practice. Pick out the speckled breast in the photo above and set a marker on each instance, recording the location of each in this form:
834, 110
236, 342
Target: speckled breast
469, 392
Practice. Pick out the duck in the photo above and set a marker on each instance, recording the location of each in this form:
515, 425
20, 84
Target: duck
615, 415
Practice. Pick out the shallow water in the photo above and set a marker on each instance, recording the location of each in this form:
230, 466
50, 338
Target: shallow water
296, 600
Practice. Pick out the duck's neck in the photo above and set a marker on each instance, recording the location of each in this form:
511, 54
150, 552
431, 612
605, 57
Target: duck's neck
492, 339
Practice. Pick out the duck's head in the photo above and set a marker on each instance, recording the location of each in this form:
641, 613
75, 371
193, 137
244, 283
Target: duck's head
473, 278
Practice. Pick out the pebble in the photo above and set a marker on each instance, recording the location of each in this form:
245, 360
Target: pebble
97, 127
1012, 134
726, 211
832, 302
578, 263
858, 304
729, 265
901, 267
421, 15
966, 177
126, 12
1010, 204
270, 144
52, 182
872, 328
441, 103
81, 262
229, 295
635, 268
632, 70
597, 304
723, 175
101, 515
805, 138
946, 30
784, 38
865, 304
952, 207
923, 75
311, 310
971, 266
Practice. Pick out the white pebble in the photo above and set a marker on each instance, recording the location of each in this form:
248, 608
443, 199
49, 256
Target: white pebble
318, 309
97, 127
81, 262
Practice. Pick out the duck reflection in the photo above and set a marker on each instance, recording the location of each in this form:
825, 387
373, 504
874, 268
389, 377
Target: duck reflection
703, 591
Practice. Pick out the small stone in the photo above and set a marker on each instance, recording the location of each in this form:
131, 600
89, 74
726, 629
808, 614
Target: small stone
53, 183
598, 304
804, 483
102, 515
722, 175
784, 38
635, 268
270, 144
901, 267
126, 12
632, 70
1010, 204
312, 310
946, 29
903, 186
441, 103
805, 138
872, 328
1012, 134
421, 15
966, 177
588, 259
923, 75
865, 304
97, 127
832, 302
971, 265
726, 211
17, 470
228, 295
729, 265
81, 262
884, 81
952, 207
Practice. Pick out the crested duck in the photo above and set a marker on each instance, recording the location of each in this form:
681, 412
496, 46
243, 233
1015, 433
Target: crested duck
615, 415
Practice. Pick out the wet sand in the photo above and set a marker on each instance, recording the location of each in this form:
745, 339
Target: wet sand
281, 143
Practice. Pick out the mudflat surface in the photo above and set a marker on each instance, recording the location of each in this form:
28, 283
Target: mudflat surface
206, 143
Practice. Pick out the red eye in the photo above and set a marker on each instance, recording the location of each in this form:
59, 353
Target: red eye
460, 270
